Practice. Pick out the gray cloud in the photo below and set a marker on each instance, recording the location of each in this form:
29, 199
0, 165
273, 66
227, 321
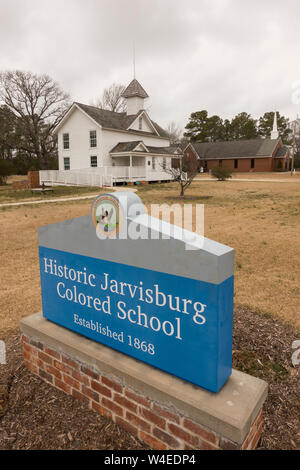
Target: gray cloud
225, 56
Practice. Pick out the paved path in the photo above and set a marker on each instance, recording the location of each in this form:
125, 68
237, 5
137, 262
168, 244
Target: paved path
64, 199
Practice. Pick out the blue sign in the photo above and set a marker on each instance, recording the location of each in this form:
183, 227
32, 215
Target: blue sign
178, 324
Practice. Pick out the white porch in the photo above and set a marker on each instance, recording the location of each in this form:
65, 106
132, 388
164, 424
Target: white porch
103, 176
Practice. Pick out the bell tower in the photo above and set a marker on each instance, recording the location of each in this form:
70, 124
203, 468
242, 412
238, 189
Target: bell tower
134, 95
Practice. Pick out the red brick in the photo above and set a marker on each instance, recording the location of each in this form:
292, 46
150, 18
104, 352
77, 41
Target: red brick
79, 396
80, 377
37, 362
45, 376
62, 367
138, 398
125, 402
138, 422
64, 387
31, 367
51, 370
52, 352
112, 406
72, 382
125, 425
69, 362
255, 438
182, 434
147, 414
101, 389
45, 357
166, 414
30, 349
204, 445
26, 355
112, 384
90, 372
90, 393
152, 442
163, 436
200, 431
106, 413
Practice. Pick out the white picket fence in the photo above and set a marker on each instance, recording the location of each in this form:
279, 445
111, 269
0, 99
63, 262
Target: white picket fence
105, 176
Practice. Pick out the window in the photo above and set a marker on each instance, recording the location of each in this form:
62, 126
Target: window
164, 163
153, 163
66, 141
236, 163
94, 161
220, 163
66, 163
140, 123
252, 162
93, 139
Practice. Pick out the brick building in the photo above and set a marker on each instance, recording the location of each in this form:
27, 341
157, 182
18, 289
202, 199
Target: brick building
241, 155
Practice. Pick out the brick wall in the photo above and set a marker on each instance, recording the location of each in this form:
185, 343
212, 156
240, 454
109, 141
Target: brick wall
159, 427
34, 179
24, 184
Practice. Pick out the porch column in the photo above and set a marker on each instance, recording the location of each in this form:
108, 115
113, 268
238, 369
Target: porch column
130, 166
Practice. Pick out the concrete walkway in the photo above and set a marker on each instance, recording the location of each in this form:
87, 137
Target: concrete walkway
65, 199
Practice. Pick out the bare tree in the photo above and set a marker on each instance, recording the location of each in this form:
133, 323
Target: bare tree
184, 171
38, 104
174, 132
111, 98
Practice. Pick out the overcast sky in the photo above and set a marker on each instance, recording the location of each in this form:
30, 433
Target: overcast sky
225, 56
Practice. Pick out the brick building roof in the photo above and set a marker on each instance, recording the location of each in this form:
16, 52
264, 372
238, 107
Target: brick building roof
233, 149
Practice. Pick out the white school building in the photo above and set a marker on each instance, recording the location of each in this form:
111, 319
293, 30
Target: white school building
98, 147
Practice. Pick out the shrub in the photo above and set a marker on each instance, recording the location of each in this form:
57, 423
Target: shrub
6, 169
220, 173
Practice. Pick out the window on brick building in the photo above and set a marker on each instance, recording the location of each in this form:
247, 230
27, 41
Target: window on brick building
236, 164
220, 163
252, 162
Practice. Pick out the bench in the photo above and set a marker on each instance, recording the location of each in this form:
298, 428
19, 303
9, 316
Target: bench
41, 190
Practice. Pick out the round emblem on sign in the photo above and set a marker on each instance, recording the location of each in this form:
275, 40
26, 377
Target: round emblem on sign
106, 215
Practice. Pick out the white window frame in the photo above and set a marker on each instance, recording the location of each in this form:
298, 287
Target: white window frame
64, 142
69, 164
94, 156
153, 163
93, 139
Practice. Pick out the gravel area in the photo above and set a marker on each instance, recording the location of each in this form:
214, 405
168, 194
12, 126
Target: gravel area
34, 415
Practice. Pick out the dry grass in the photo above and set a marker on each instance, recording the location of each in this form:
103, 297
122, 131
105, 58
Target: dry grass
275, 175
261, 221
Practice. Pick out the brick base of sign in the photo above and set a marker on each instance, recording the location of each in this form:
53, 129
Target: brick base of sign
159, 424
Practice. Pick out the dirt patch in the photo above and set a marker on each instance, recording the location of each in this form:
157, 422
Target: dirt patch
38, 416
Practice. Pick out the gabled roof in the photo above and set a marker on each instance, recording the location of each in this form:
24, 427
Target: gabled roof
134, 89
112, 120
281, 152
235, 148
127, 147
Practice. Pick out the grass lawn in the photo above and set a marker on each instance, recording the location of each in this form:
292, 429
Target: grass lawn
260, 220
8, 194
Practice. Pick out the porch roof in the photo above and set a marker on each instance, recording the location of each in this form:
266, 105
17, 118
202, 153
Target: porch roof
138, 147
